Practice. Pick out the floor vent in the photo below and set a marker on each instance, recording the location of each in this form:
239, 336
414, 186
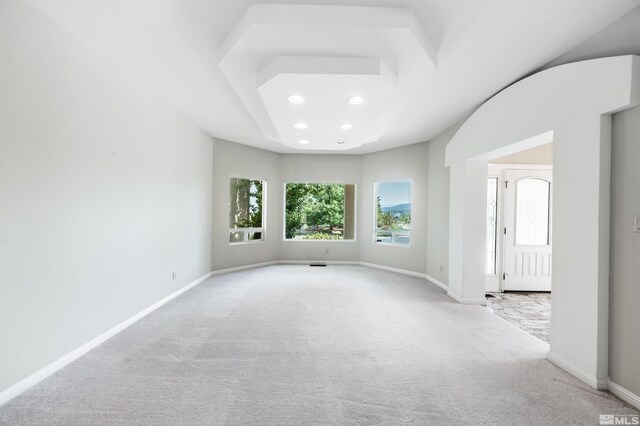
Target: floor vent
318, 264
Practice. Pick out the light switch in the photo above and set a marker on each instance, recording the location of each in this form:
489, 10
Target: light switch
636, 224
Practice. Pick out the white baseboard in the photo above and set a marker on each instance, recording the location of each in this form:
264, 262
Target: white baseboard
624, 394
244, 267
467, 300
43, 373
353, 262
437, 282
592, 381
430, 279
282, 262
396, 270
60, 363
328, 262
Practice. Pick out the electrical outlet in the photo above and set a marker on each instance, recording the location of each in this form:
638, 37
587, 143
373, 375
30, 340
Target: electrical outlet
636, 224
173, 276
326, 251
441, 268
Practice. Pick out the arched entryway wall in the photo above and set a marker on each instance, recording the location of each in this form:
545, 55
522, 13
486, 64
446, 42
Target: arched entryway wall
571, 106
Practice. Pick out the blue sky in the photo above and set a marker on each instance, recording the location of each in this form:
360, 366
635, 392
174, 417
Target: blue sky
394, 193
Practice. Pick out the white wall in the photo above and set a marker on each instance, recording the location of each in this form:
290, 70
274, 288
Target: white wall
564, 105
321, 169
103, 194
408, 162
621, 37
438, 206
542, 154
234, 160
624, 349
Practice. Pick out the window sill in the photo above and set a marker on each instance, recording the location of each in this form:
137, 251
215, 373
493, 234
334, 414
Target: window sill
376, 243
289, 240
244, 243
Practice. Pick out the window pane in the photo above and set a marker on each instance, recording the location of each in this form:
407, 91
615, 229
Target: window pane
532, 212
246, 203
492, 216
319, 211
393, 213
236, 237
254, 236
246, 197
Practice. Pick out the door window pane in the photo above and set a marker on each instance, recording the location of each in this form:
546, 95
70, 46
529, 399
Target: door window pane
532, 212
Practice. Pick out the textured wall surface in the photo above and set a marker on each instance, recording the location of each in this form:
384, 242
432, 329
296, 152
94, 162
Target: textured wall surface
104, 195
624, 344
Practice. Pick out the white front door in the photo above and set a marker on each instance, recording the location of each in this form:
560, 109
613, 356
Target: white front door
527, 244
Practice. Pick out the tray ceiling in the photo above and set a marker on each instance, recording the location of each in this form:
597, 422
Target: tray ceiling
420, 65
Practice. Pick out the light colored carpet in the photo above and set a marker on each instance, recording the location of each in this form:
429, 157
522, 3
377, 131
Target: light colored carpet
294, 345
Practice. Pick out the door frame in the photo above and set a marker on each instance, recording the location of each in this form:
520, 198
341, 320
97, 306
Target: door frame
495, 282
510, 231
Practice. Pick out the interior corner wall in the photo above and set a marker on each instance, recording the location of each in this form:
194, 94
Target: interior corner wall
301, 168
438, 206
104, 194
408, 162
624, 291
241, 161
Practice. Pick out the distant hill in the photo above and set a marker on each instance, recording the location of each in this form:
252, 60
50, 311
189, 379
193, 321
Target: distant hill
400, 208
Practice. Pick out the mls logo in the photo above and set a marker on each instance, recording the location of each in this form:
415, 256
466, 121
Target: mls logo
624, 419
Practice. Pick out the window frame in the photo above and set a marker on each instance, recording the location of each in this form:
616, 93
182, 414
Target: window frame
284, 212
375, 212
497, 210
247, 231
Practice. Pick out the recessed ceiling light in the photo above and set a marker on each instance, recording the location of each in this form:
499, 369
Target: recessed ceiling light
356, 100
301, 126
340, 142
296, 99
304, 142
346, 126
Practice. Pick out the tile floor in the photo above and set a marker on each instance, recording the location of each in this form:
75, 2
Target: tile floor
529, 311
